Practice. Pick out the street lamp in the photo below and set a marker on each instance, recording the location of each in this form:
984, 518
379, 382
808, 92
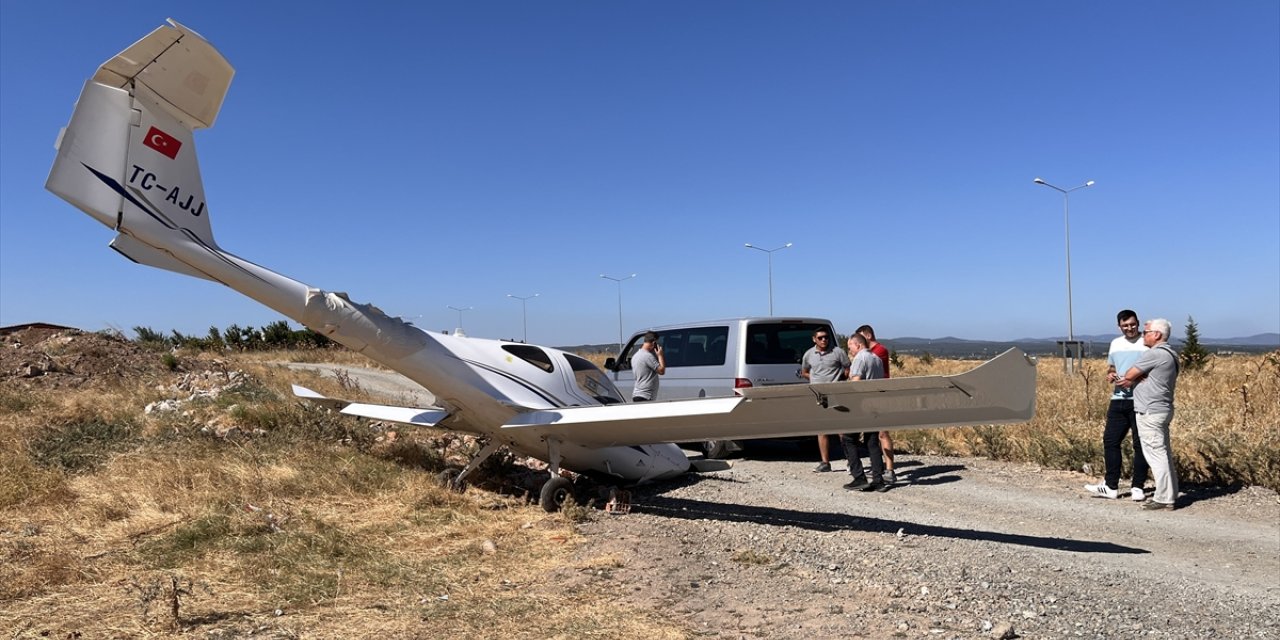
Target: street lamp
524, 312
770, 252
460, 310
1068, 363
619, 281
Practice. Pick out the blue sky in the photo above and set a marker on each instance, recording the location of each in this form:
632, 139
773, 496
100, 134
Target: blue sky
422, 155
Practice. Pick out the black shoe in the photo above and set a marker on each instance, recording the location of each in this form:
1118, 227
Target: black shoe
880, 487
822, 467
858, 484
1155, 506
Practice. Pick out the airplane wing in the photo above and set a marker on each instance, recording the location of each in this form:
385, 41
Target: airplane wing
1001, 390
428, 417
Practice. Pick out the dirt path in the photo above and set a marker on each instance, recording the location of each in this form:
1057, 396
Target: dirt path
964, 548
770, 549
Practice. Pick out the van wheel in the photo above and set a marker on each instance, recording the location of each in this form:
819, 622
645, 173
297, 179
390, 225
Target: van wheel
716, 449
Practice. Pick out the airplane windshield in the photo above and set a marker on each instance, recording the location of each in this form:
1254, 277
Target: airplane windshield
593, 381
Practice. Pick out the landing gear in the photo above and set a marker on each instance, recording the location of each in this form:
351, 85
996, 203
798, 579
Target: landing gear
720, 449
455, 479
555, 492
451, 479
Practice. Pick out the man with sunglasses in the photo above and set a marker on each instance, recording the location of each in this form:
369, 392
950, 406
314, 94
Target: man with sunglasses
824, 363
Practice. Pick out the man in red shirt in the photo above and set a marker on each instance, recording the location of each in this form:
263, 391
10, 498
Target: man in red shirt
886, 442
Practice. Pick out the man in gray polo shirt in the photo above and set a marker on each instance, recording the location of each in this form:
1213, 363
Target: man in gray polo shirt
647, 364
824, 363
1153, 379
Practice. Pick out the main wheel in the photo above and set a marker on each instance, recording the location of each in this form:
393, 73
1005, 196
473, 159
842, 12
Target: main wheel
715, 449
554, 493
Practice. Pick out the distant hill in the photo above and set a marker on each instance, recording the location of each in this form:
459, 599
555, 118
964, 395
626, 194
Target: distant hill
1270, 340
1094, 345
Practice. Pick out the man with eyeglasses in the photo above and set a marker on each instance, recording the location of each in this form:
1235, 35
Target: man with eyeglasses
1153, 379
1121, 420
824, 363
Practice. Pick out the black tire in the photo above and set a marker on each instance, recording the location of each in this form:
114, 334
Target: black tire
716, 449
555, 492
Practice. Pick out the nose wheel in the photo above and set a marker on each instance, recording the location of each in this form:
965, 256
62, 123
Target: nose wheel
555, 492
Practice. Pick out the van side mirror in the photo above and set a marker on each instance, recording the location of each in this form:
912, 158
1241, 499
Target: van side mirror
610, 364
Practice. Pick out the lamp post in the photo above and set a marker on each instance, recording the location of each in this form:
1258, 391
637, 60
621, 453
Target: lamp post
619, 281
770, 254
524, 312
460, 310
1068, 362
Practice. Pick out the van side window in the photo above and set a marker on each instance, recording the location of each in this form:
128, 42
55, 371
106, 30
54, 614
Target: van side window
695, 347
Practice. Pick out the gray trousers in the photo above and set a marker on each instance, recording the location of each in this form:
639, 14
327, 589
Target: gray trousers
1153, 431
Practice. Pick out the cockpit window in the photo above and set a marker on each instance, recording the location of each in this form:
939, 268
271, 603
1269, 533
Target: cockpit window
533, 355
592, 380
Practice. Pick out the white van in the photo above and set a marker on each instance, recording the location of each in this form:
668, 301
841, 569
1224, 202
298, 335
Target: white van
712, 359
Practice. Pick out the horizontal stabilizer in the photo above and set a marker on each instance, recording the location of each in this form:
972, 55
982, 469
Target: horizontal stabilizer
140, 253
403, 415
316, 398
180, 67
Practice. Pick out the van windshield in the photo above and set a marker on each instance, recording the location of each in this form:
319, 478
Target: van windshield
780, 342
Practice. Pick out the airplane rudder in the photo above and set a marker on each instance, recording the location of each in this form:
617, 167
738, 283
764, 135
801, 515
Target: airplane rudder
92, 152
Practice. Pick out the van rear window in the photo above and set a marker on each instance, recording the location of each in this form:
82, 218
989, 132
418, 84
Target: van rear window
779, 342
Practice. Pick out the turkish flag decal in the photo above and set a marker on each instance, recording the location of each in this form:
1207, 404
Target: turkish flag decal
162, 142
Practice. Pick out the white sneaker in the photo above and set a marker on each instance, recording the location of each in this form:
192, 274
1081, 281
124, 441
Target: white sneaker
1137, 494
1102, 491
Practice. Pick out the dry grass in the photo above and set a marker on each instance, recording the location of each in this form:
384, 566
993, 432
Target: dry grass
1225, 428
127, 525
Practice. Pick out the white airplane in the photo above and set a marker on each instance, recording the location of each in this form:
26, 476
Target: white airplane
127, 158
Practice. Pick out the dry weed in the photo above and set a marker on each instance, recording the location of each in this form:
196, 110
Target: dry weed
300, 528
1225, 428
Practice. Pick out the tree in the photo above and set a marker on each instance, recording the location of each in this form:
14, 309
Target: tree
277, 335
1193, 356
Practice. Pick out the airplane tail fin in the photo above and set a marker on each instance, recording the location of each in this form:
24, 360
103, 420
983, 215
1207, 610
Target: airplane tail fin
127, 158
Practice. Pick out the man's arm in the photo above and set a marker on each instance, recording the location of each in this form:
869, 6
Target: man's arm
1131, 377
662, 359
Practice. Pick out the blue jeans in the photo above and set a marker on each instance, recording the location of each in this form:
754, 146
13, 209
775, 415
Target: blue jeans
1120, 421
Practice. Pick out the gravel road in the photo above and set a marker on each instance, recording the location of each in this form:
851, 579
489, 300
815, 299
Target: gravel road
961, 548
966, 548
